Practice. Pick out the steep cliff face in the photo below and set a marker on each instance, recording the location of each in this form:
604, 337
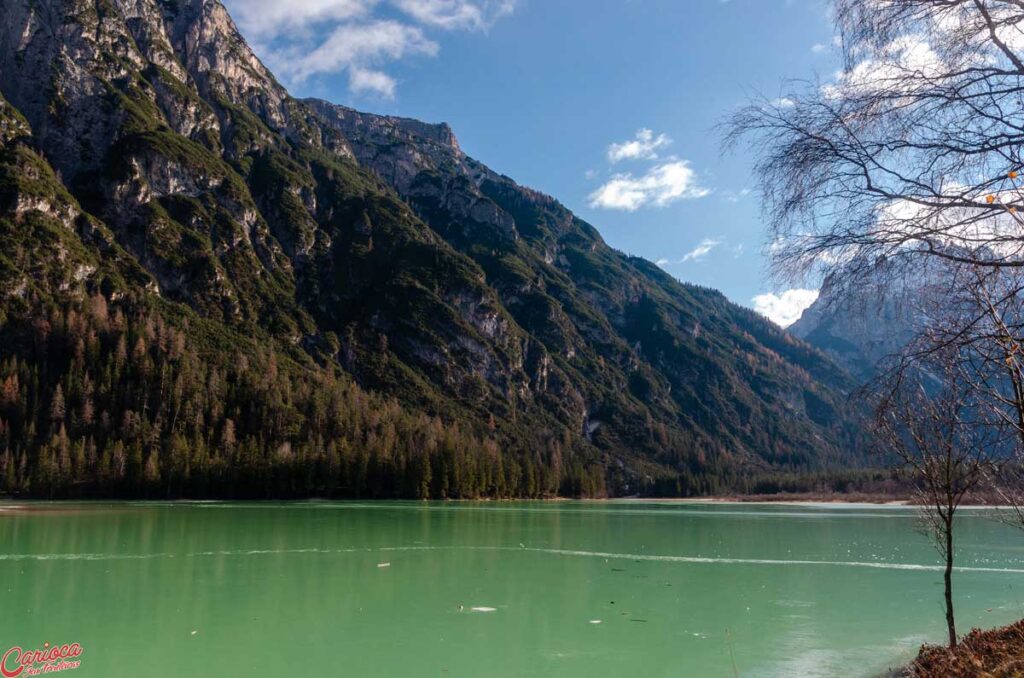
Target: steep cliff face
180, 169
861, 327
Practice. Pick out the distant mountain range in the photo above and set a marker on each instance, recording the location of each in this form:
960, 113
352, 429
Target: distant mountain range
211, 288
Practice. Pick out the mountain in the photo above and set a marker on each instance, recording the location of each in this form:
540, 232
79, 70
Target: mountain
862, 320
211, 288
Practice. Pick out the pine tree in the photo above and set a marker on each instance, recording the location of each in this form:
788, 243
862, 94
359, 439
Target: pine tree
151, 472
57, 410
10, 481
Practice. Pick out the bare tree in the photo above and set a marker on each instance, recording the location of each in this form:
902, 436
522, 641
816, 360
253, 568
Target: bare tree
912, 152
980, 319
925, 416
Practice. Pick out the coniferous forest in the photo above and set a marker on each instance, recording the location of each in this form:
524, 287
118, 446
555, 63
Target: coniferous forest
95, 401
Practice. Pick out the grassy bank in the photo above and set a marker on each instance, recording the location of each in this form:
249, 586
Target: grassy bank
998, 653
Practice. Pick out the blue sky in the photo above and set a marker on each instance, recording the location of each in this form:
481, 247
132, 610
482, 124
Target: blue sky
611, 106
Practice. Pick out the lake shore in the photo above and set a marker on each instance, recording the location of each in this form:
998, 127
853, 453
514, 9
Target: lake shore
10, 505
786, 498
802, 499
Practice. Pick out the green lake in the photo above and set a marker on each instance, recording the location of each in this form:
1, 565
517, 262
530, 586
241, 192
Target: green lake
502, 589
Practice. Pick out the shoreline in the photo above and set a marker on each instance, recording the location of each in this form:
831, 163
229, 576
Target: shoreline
11, 505
41, 507
781, 499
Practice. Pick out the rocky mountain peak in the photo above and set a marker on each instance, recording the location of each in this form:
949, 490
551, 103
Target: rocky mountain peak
863, 320
380, 127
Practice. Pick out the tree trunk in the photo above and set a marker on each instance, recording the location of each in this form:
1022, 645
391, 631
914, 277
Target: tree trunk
950, 621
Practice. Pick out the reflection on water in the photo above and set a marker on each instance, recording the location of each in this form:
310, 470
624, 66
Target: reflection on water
565, 589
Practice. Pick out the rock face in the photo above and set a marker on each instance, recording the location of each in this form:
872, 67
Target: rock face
862, 328
180, 168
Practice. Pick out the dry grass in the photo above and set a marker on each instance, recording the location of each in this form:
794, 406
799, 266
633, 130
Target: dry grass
981, 654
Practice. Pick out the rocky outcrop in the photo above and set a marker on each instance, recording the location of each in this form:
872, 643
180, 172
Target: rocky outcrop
422, 162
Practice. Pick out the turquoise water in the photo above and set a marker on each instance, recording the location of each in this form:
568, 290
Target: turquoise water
224, 589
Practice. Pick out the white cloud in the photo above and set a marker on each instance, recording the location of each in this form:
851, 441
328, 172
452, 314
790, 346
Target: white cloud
363, 80
907, 59
698, 253
352, 46
643, 147
785, 309
701, 250
661, 186
306, 38
456, 14
260, 19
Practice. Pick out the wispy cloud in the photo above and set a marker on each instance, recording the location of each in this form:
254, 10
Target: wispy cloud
786, 308
735, 196
908, 54
363, 80
644, 146
262, 20
660, 186
357, 47
835, 43
307, 38
457, 14
698, 253
701, 250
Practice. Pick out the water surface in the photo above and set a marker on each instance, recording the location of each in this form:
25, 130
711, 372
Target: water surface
522, 589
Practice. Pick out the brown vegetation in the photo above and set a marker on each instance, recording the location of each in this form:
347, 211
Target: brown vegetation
981, 654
